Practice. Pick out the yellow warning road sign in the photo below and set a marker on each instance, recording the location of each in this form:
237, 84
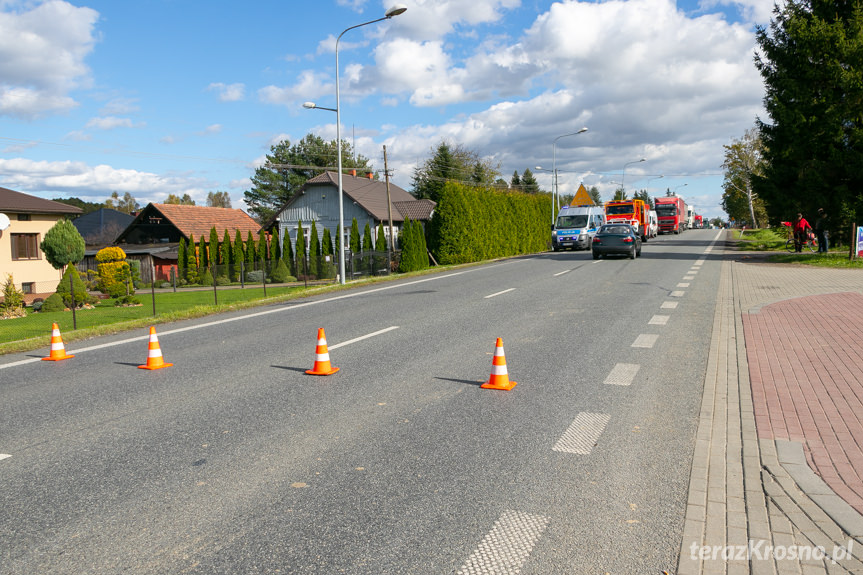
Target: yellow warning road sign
582, 198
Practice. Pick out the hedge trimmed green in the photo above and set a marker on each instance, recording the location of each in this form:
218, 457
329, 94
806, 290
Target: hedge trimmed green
474, 224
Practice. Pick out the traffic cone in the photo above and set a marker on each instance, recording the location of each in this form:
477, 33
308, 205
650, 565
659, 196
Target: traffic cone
499, 378
58, 350
322, 357
154, 354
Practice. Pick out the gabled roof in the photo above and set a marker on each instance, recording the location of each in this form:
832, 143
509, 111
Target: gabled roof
94, 223
197, 221
371, 195
18, 203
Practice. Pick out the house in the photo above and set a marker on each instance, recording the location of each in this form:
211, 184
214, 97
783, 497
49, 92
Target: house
154, 235
30, 218
101, 227
364, 199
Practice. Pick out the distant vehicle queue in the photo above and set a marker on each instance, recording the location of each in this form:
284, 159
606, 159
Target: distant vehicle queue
577, 225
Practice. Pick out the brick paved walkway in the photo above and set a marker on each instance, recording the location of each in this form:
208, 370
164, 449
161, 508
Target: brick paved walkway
806, 369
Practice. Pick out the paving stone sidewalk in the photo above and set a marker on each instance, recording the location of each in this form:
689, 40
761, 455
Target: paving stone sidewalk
775, 486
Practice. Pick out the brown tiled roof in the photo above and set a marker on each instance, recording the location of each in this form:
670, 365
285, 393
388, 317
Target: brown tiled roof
372, 196
197, 221
416, 209
18, 203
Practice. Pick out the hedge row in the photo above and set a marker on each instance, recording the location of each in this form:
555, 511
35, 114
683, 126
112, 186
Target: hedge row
473, 224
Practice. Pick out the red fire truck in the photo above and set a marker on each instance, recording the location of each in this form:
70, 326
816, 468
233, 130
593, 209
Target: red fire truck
671, 213
633, 212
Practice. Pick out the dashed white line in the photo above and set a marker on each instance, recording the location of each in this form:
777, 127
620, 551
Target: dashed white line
4, 456
669, 305
622, 374
362, 337
499, 293
646, 340
507, 546
659, 320
683, 284
677, 293
689, 277
561, 273
581, 435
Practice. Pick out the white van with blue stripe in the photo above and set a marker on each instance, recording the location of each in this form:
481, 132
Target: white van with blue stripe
576, 226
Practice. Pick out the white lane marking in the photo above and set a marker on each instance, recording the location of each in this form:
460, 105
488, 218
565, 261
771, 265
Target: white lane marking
499, 293
693, 271
669, 305
362, 337
507, 546
683, 284
581, 436
678, 293
645, 340
622, 374
596, 262
690, 278
4, 456
659, 320
561, 273
290, 307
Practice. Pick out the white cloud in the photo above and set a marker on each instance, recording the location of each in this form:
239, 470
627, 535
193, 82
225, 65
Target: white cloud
211, 130
111, 123
42, 52
310, 85
434, 19
228, 92
86, 181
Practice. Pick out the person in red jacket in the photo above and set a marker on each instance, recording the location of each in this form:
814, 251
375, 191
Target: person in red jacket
801, 231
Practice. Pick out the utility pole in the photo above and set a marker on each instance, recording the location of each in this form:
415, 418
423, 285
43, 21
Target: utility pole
392, 244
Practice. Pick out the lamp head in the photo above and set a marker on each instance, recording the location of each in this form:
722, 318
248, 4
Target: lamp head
309, 105
581, 131
396, 10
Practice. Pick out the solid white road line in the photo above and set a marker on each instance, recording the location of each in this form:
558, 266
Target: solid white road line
499, 293
581, 435
362, 337
507, 546
561, 273
622, 374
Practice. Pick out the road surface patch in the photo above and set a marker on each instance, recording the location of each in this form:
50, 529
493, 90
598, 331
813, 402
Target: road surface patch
622, 374
581, 435
507, 546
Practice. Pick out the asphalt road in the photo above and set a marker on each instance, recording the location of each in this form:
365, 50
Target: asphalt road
234, 460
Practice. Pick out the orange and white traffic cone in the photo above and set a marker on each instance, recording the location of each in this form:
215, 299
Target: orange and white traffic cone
499, 379
58, 350
322, 357
154, 353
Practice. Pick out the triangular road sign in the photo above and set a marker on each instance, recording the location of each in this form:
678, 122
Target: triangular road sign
582, 198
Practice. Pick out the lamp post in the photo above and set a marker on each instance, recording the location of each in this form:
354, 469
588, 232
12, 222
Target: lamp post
623, 175
554, 191
394, 11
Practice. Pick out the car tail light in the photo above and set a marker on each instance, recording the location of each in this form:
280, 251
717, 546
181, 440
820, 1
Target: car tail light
627, 240
596, 240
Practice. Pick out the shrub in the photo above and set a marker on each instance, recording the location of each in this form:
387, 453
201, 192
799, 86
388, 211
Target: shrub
13, 300
113, 271
207, 278
127, 300
255, 277
82, 296
53, 302
281, 273
222, 281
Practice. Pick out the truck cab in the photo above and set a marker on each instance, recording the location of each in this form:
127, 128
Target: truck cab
575, 227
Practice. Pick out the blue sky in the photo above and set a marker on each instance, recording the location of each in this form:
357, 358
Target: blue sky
159, 97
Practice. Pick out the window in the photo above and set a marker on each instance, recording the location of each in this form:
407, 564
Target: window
28, 287
24, 217
25, 247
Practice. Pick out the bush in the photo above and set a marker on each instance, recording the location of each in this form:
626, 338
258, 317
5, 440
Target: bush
207, 278
222, 281
13, 300
255, 277
54, 302
281, 273
114, 271
82, 296
127, 300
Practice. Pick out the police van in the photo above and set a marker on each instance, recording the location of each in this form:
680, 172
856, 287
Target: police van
576, 226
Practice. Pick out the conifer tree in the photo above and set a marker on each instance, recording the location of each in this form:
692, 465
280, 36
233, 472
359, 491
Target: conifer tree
355, 246
204, 256
368, 244
251, 252
238, 258
381, 240
327, 259
182, 258
289, 256
262, 246
213, 248
314, 251
192, 261
225, 253
300, 251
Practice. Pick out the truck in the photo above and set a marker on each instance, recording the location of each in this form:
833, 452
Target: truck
575, 227
699, 221
690, 217
671, 211
633, 212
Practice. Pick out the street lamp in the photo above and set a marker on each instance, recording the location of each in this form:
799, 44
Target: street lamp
394, 11
623, 175
554, 191
674, 191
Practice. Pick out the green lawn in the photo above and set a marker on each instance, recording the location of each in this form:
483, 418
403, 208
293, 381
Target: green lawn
773, 240
33, 331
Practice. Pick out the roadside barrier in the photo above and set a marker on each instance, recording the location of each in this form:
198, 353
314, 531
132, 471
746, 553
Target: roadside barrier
499, 378
58, 350
154, 353
322, 357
